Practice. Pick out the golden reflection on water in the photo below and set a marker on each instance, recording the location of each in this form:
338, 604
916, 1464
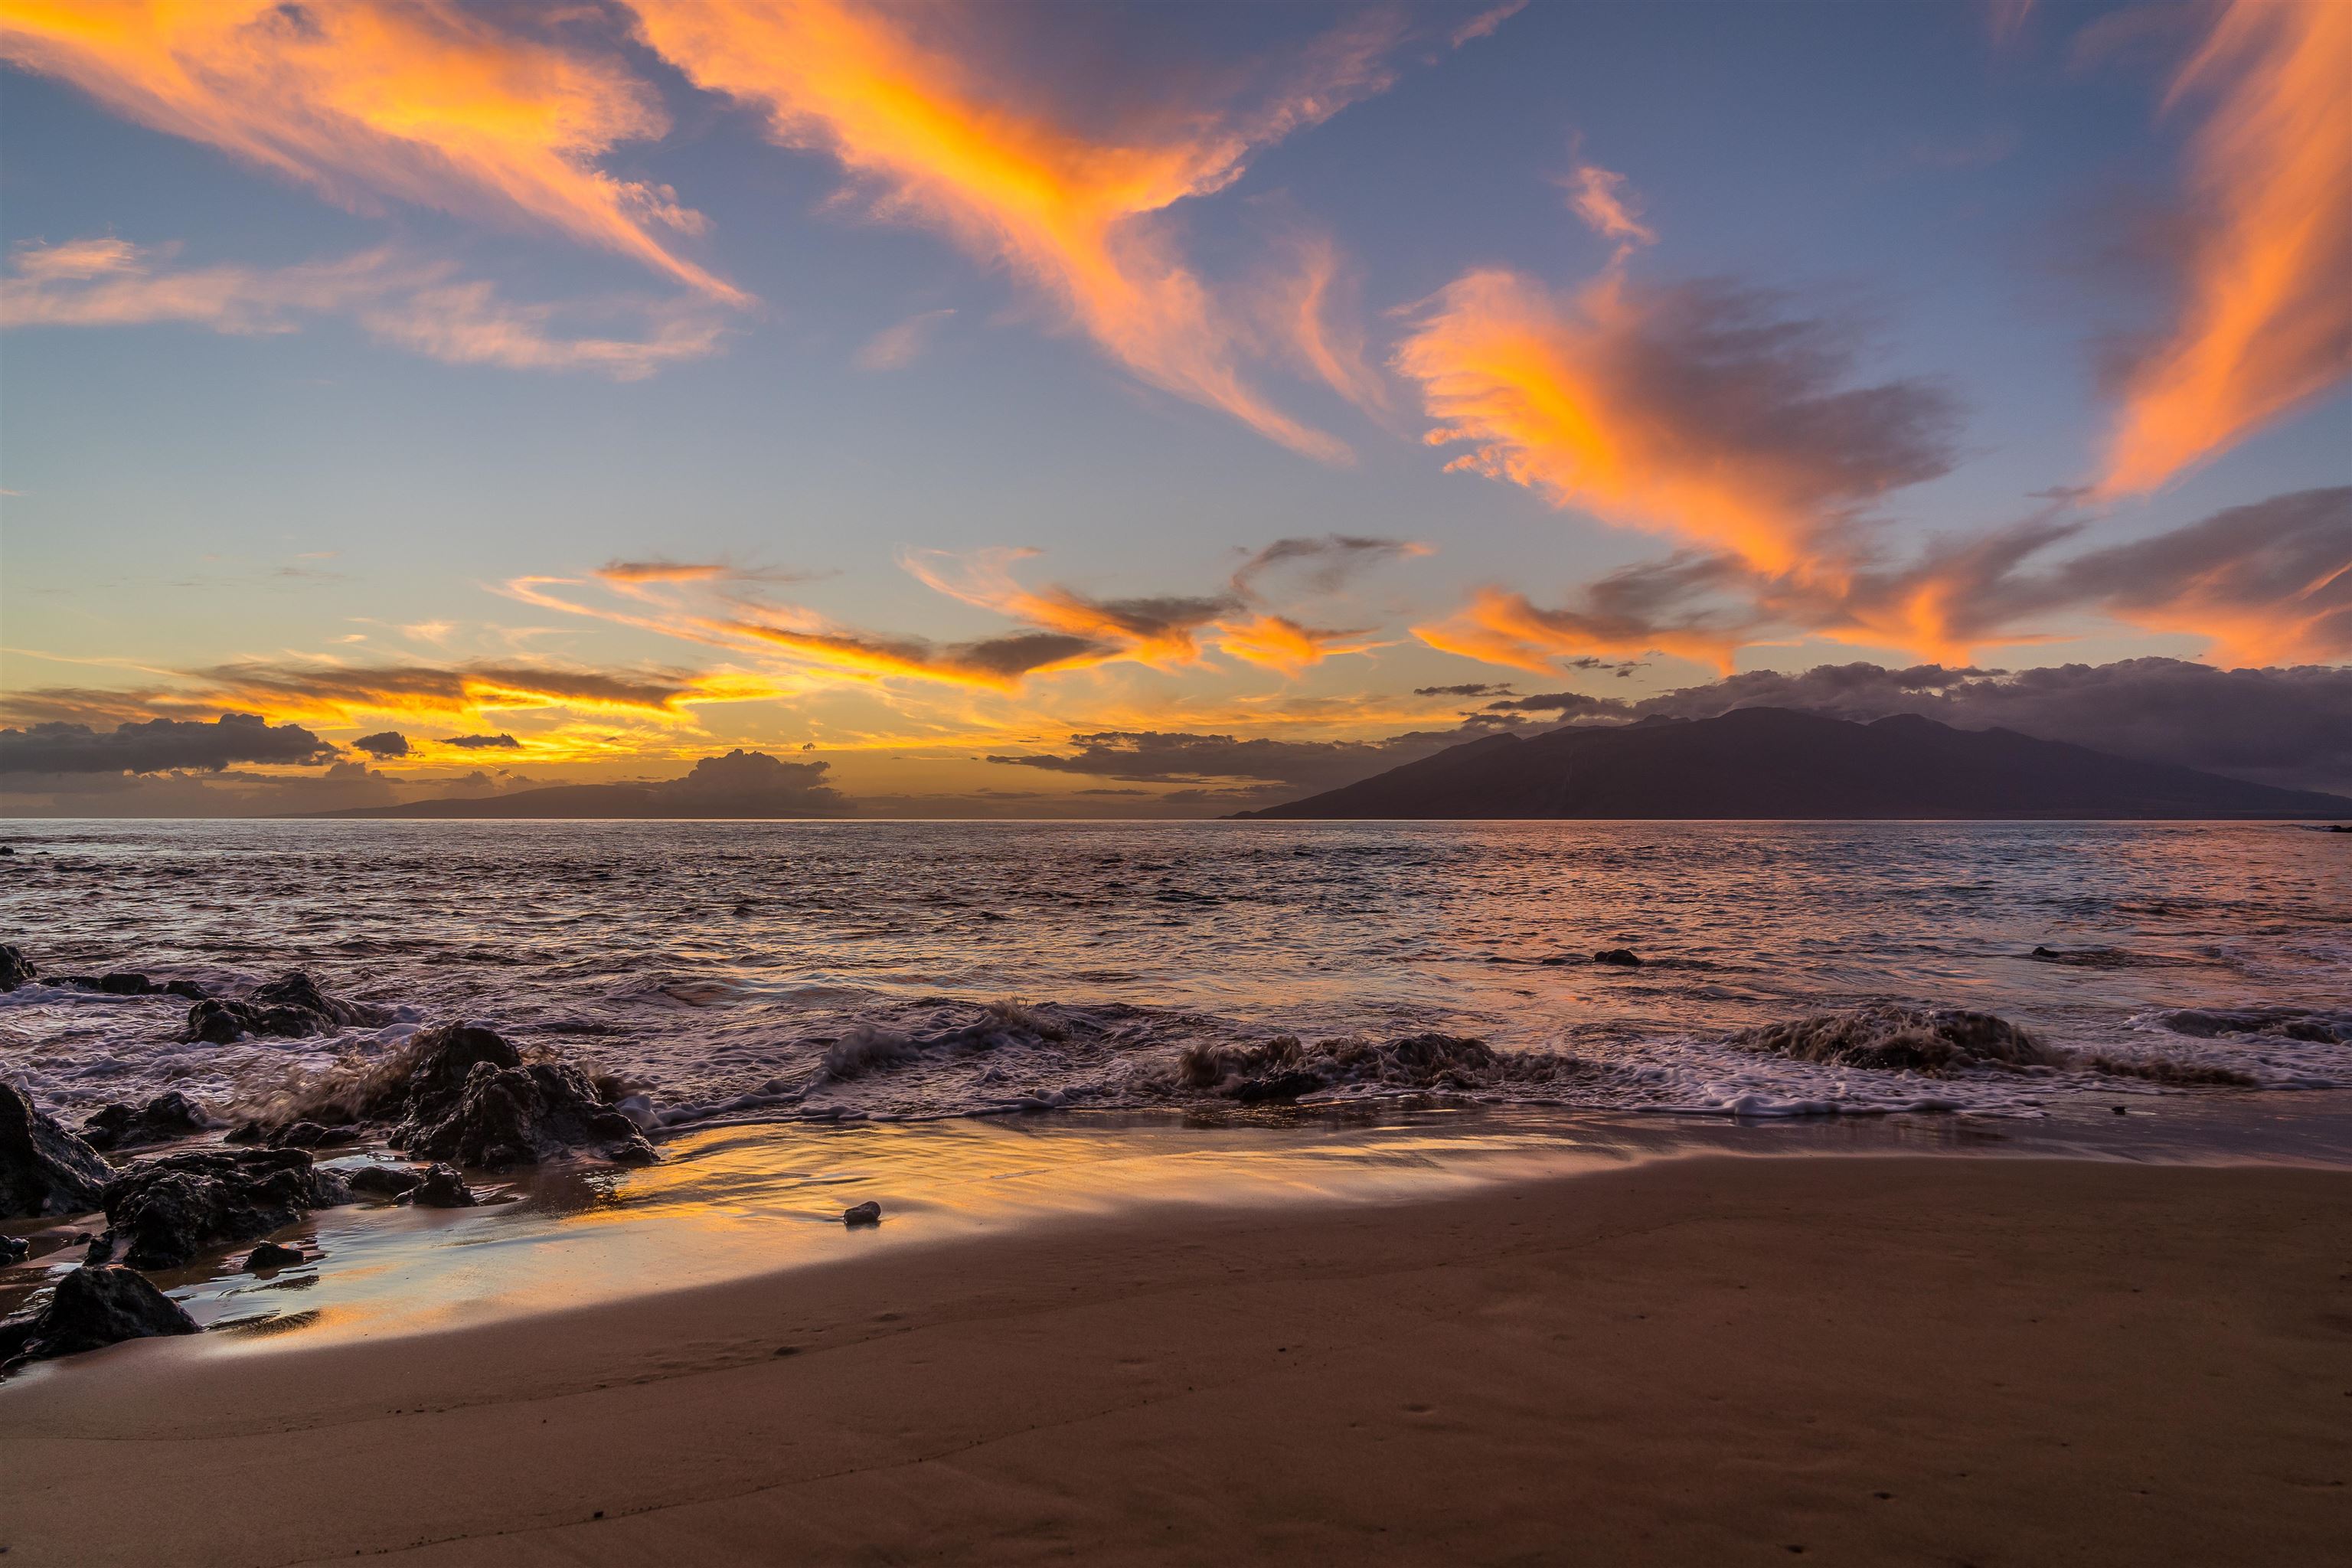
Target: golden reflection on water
730, 1201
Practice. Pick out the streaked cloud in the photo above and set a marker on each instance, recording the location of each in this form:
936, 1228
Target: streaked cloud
421, 306
1325, 561
482, 743
1076, 217
896, 347
489, 112
1703, 410
1670, 606
2264, 320
2264, 582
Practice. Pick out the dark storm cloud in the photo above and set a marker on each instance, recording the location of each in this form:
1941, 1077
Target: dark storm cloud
159, 745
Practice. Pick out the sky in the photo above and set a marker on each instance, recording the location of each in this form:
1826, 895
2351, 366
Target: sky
1055, 409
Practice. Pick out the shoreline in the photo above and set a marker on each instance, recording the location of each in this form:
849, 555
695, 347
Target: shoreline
1709, 1358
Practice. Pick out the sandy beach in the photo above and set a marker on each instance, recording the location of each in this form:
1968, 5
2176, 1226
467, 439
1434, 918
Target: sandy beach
1703, 1359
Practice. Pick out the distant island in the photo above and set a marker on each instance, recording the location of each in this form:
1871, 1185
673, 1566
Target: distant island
1767, 762
738, 785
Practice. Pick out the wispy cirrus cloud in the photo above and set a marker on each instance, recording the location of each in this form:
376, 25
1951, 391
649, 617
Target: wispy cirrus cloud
491, 113
421, 306
1705, 411
896, 346
1077, 216
2265, 323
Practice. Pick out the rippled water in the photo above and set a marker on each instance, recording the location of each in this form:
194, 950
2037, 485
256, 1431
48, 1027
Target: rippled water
823, 970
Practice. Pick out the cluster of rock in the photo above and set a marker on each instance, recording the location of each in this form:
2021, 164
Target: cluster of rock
16, 970
1891, 1038
457, 1095
463, 1094
291, 1007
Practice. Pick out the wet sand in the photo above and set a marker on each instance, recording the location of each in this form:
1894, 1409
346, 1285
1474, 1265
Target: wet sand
1710, 1360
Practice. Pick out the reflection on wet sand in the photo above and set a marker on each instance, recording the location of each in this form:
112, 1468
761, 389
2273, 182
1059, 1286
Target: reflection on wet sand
732, 1202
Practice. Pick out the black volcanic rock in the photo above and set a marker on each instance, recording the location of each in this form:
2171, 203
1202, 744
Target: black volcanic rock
1889, 1038
173, 1208
290, 1008
43, 1169
15, 969
382, 1180
1770, 762
168, 1116
442, 1188
519, 1116
92, 1307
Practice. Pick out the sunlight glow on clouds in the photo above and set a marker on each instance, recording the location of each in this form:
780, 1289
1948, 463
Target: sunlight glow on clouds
2266, 319
422, 101
1074, 216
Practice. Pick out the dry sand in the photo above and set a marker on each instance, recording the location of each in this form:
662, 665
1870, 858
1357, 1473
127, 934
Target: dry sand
1702, 1361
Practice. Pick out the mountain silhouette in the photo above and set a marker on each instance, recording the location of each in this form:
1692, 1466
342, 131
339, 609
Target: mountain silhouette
1769, 762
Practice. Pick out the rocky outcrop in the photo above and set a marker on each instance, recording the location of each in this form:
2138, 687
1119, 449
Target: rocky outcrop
471, 1098
290, 1008
43, 1169
15, 969
442, 1188
867, 1213
92, 1307
171, 1209
1620, 957
162, 1119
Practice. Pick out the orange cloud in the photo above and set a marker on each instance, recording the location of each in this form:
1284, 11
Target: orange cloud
2266, 319
1156, 631
420, 306
1502, 627
424, 100
1073, 216
1278, 642
1696, 412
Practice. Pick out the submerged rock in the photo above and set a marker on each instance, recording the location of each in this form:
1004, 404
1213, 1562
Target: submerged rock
13, 1248
867, 1213
1890, 1039
1622, 957
15, 969
168, 1116
92, 1307
472, 1099
272, 1255
173, 1208
100, 1248
290, 1007
442, 1187
43, 1169
1283, 1068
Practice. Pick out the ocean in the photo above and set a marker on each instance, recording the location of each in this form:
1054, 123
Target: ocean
729, 971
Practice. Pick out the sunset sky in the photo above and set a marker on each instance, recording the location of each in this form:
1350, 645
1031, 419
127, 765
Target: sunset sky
571, 392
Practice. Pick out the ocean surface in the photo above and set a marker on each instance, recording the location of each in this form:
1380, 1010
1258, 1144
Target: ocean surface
840, 971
